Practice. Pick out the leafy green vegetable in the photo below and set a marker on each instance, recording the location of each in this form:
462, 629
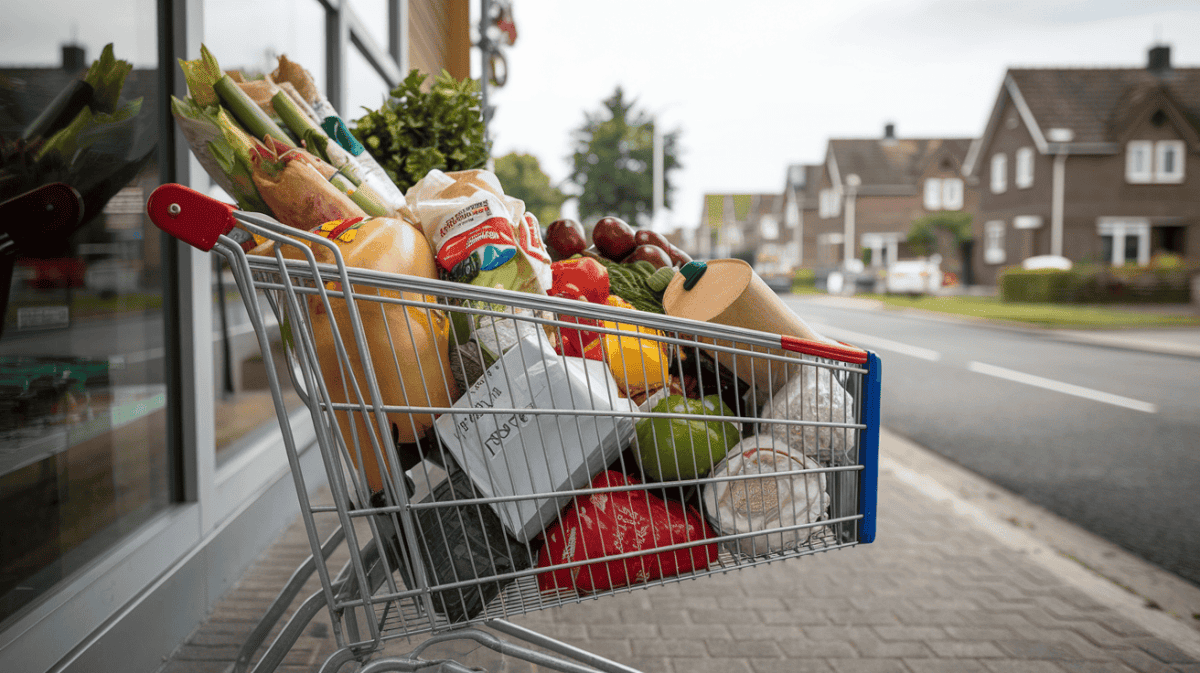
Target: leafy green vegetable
629, 282
416, 131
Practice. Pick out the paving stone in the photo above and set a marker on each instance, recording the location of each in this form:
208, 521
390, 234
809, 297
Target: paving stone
696, 631
1164, 651
944, 666
789, 666
1034, 649
743, 649
861, 618
868, 666
668, 648
612, 631
980, 633
713, 666
1142, 662
817, 649
1094, 667
802, 618
1022, 667
724, 616
914, 633
965, 649
764, 632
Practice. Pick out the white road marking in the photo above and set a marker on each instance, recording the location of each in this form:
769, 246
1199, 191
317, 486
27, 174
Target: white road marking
1059, 386
874, 342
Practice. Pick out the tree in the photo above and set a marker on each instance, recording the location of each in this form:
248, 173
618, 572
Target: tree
522, 177
614, 162
923, 238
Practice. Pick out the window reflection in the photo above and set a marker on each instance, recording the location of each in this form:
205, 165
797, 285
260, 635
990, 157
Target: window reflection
234, 33
83, 454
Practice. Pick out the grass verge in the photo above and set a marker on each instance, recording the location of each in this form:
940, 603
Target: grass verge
1073, 316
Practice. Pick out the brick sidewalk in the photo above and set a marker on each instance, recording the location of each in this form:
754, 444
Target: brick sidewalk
936, 592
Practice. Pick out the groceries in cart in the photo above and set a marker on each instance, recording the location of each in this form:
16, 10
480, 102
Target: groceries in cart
522, 425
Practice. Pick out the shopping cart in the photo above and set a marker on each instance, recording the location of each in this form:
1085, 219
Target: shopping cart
477, 474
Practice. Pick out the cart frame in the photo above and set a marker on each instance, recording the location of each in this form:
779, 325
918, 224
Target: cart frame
367, 604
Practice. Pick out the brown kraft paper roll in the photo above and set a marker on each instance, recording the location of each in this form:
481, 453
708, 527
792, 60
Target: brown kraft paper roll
731, 293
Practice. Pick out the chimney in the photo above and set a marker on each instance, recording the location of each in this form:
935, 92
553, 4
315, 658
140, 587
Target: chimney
1160, 58
889, 131
73, 57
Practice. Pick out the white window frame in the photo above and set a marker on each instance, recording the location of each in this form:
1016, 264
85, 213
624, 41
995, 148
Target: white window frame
830, 203
1121, 228
933, 194
1143, 150
999, 173
1161, 150
994, 244
1024, 168
952, 194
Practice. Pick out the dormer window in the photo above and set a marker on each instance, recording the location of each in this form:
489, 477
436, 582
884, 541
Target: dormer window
1147, 161
999, 173
943, 194
1024, 168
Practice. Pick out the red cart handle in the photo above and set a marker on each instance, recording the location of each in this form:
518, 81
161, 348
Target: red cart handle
836, 351
188, 215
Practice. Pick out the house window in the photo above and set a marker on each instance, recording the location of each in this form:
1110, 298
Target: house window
999, 173
1137, 161
952, 193
933, 194
993, 250
1024, 168
1168, 161
830, 203
1125, 241
769, 227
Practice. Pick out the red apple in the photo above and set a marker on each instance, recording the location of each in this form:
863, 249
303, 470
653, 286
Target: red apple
650, 253
613, 238
678, 257
565, 238
647, 237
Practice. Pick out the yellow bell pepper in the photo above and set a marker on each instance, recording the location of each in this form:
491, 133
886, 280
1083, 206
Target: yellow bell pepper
636, 364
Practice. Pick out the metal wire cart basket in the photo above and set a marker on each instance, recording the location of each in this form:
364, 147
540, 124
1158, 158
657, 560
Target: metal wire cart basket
477, 473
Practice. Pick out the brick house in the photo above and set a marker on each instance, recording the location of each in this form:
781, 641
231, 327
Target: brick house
798, 213
871, 190
1094, 164
739, 225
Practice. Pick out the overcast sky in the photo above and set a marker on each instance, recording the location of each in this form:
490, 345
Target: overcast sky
753, 86
760, 84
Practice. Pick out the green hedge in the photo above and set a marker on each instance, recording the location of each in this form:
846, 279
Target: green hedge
1165, 283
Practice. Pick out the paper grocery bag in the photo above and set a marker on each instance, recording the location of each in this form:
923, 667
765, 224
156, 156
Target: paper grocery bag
525, 453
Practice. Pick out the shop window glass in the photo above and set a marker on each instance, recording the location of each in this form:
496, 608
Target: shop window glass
373, 14
365, 87
234, 34
83, 431
250, 36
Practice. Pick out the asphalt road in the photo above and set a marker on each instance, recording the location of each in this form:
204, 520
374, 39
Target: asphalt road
1108, 439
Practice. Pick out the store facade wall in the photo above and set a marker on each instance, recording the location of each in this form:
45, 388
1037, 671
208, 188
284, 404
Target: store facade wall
141, 465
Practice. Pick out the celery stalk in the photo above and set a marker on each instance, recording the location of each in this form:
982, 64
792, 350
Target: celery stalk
247, 112
314, 138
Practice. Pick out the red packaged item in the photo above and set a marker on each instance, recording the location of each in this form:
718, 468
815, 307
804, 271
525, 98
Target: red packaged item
605, 524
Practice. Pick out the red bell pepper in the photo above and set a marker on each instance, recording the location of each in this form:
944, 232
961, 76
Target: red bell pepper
580, 276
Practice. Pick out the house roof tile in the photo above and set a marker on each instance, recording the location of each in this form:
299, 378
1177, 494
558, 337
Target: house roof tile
1093, 101
889, 163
